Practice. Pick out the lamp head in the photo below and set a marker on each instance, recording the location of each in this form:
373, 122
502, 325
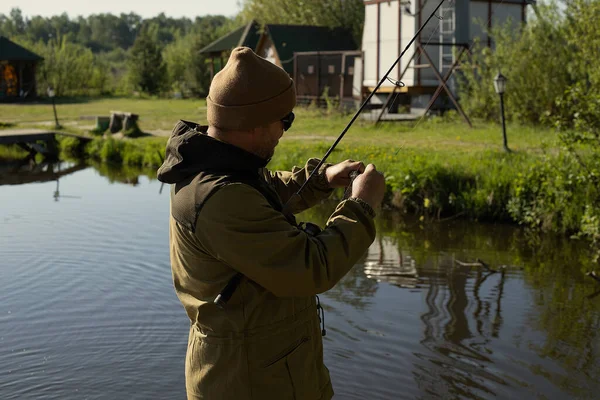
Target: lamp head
500, 83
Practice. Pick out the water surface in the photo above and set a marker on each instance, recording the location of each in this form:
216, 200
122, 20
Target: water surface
88, 311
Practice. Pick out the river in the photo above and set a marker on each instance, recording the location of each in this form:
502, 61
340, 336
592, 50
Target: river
88, 310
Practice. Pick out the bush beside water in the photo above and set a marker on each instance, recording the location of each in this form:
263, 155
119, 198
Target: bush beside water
544, 192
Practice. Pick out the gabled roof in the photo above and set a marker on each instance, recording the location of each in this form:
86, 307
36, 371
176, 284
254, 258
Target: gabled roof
246, 35
290, 39
10, 51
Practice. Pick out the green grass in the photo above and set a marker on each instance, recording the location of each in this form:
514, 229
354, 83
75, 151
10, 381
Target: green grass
155, 114
443, 135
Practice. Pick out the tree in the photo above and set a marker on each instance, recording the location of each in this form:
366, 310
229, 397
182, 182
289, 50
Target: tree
349, 14
187, 68
147, 71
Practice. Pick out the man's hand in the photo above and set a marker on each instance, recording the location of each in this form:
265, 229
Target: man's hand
369, 186
338, 175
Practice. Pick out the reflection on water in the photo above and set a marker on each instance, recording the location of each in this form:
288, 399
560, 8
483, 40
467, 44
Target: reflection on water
525, 327
87, 308
25, 171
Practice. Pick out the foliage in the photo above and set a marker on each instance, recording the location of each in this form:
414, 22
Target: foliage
146, 67
70, 146
333, 13
104, 33
143, 152
550, 63
96, 48
578, 106
533, 58
69, 68
187, 69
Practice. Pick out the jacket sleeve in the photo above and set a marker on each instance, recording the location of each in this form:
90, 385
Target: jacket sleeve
286, 184
256, 240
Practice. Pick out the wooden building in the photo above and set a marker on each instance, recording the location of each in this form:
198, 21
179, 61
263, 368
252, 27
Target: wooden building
391, 24
316, 57
17, 71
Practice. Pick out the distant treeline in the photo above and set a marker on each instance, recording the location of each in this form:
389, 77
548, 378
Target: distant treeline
109, 54
104, 32
121, 54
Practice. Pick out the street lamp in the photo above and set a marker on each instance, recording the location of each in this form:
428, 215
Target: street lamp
51, 94
500, 87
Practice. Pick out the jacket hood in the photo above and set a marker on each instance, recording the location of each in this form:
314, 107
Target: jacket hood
190, 151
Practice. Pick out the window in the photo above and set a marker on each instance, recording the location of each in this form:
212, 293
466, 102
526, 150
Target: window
350, 70
331, 69
311, 69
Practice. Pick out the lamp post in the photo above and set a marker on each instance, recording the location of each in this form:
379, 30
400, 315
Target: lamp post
500, 87
51, 94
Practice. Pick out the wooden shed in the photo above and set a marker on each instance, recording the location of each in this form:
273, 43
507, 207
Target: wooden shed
17, 71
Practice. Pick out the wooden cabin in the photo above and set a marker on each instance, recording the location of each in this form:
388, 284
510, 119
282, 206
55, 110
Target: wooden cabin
316, 57
391, 24
17, 71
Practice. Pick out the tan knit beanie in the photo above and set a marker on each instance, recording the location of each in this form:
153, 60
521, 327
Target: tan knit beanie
249, 92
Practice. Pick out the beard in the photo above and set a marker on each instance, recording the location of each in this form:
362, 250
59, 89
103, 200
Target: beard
267, 151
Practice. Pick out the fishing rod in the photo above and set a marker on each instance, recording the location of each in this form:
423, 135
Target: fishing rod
224, 296
364, 104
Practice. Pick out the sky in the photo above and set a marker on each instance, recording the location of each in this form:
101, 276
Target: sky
145, 8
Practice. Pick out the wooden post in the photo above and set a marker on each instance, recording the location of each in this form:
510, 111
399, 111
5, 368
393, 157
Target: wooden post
318, 77
20, 83
439, 89
295, 73
34, 85
399, 36
378, 40
439, 77
212, 68
342, 78
420, 11
363, 90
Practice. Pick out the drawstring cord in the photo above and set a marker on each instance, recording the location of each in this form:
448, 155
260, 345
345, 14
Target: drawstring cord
321, 314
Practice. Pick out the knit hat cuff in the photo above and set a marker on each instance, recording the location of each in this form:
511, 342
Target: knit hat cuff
250, 116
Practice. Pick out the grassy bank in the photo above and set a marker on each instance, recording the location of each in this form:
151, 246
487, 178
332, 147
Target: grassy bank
156, 115
435, 168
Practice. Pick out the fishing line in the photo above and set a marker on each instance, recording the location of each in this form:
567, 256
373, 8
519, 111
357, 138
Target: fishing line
364, 104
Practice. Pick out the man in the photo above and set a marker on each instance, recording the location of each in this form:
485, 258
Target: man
228, 216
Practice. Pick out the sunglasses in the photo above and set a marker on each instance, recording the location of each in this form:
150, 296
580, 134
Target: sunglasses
287, 121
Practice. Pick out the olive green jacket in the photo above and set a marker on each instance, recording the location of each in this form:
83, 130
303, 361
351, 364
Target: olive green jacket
266, 343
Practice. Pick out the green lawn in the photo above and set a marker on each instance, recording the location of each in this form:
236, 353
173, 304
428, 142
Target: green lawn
155, 114
449, 135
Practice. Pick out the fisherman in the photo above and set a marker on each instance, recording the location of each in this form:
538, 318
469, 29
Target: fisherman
229, 217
